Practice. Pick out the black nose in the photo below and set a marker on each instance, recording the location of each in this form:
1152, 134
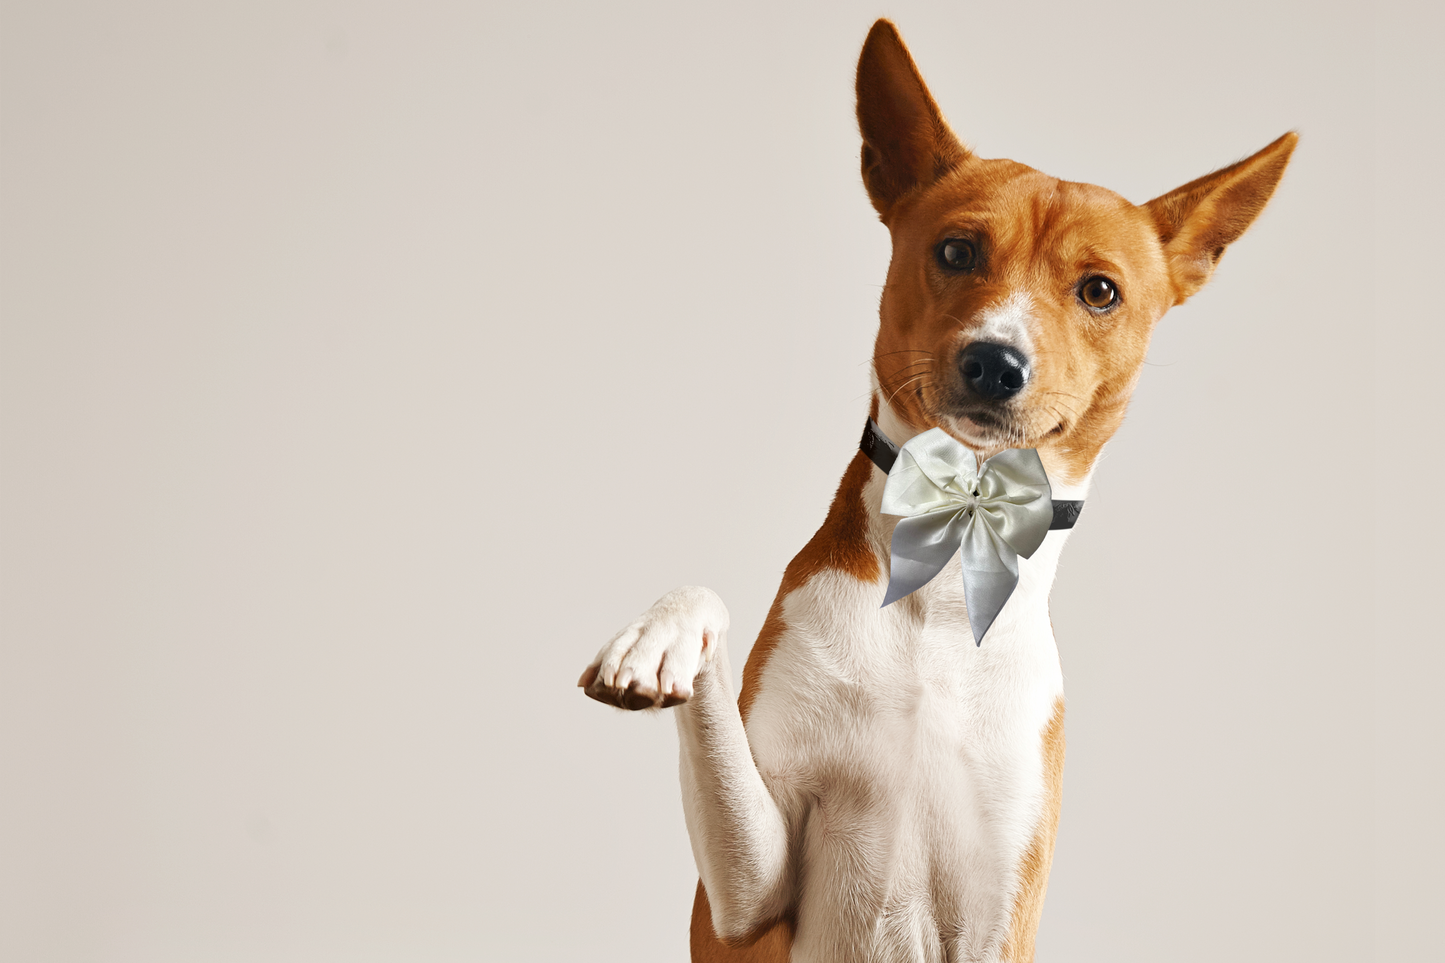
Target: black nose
995, 372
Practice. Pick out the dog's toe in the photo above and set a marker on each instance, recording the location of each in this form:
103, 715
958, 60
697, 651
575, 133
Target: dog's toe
638, 698
598, 690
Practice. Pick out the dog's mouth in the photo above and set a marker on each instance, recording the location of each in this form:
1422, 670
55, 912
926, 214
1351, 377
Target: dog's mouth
987, 430
987, 427
984, 429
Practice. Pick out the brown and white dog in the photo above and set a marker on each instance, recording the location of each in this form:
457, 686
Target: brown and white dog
883, 789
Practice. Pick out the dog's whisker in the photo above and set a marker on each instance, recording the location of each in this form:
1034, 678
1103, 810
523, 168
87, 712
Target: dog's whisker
896, 389
895, 385
1058, 404
887, 354
1058, 416
888, 384
903, 377
905, 385
900, 371
1064, 394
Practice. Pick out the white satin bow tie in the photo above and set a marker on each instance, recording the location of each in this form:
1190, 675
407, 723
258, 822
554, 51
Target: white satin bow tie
992, 514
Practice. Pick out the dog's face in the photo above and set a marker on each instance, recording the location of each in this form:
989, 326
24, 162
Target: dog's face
1018, 307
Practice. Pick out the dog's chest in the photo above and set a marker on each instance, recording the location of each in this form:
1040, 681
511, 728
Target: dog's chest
908, 763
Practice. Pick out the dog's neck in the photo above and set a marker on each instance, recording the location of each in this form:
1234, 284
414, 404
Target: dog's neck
1026, 615
898, 431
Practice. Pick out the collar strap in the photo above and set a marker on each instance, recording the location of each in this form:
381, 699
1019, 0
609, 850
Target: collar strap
883, 453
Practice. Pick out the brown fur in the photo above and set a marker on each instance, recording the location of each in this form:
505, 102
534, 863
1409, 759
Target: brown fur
771, 944
842, 543
1197, 221
1034, 871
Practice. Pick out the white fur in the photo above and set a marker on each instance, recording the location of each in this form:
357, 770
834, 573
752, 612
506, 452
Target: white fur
1010, 322
890, 778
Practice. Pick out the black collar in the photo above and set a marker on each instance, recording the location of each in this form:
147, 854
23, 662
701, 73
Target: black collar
884, 453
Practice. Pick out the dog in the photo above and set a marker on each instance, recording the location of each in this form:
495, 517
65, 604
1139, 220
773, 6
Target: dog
884, 788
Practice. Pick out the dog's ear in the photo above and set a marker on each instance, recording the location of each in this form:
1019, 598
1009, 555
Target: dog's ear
906, 141
1198, 221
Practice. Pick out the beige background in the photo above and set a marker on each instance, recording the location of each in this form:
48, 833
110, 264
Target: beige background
365, 365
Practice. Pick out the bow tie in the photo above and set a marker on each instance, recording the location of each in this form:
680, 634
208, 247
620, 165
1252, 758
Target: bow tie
992, 514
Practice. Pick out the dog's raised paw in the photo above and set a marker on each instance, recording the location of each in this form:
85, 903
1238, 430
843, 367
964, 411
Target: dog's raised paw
653, 662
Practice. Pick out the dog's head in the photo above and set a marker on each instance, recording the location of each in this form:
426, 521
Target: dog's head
1018, 307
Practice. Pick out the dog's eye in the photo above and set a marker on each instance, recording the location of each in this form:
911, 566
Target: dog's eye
957, 254
1098, 293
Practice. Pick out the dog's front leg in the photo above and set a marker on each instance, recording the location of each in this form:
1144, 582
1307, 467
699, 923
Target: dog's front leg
675, 653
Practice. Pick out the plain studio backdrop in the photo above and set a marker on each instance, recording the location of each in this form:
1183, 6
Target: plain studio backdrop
365, 366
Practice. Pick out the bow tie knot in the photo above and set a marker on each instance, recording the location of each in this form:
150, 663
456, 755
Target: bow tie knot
992, 514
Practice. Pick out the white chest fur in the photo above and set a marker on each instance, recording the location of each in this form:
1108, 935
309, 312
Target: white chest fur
905, 760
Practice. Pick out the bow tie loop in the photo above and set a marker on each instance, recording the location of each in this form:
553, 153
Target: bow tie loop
991, 514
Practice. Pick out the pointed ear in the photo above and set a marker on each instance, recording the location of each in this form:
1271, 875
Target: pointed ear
906, 141
1198, 221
